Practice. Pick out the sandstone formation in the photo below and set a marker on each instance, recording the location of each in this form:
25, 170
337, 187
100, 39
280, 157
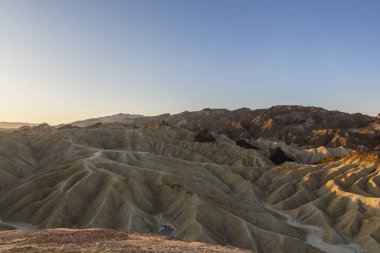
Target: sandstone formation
301, 155
304, 126
159, 179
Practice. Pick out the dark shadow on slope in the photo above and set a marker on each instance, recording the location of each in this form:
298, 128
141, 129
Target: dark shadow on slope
244, 144
277, 156
204, 136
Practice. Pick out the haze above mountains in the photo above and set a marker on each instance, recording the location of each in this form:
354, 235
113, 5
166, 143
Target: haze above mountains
13, 125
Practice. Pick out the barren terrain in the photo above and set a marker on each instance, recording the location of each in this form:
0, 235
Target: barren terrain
98, 240
167, 180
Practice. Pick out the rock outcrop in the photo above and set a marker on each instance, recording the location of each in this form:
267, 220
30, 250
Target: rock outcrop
303, 126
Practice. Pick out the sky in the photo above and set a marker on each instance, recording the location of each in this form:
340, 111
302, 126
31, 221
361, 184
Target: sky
66, 60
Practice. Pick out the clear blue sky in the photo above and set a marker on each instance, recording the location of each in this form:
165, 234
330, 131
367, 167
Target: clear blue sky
66, 60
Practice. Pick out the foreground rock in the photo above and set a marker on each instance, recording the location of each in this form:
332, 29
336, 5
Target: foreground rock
98, 240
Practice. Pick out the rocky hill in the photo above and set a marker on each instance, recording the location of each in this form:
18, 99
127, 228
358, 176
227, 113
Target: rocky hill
163, 180
304, 126
121, 117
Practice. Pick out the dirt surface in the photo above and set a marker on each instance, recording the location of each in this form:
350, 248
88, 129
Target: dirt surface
98, 240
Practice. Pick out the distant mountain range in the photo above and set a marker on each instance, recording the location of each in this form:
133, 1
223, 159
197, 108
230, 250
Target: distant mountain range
304, 126
14, 125
121, 117
152, 175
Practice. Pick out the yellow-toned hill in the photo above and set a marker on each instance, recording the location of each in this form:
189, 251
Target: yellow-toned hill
158, 179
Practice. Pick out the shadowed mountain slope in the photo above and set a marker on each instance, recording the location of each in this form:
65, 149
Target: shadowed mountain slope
304, 126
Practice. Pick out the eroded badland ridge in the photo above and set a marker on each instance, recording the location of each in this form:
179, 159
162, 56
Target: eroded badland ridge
305, 126
284, 179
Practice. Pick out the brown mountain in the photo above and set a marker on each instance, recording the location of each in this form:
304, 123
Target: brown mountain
151, 174
304, 126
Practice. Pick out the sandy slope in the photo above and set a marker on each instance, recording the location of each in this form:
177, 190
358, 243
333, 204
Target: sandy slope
160, 180
98, 240
306, 155
341, 197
